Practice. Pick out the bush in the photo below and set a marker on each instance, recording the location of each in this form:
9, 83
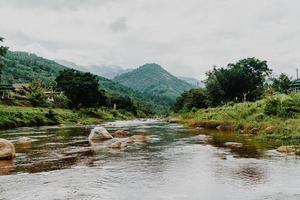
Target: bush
61, 101
272, 106
283, 105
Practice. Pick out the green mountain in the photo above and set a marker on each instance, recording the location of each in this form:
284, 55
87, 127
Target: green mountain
24, 67
153, 80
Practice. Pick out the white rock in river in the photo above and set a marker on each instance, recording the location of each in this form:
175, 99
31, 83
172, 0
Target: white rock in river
100, 133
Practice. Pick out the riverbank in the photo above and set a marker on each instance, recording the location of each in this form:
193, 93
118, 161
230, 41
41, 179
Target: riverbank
21, 116
275, 119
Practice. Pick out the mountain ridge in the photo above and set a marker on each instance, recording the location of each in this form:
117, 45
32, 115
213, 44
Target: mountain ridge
153, 79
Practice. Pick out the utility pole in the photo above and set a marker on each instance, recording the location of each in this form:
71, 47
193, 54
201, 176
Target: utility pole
297, 71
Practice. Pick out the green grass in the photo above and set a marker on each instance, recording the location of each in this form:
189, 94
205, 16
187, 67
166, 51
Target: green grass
283, 118
20, 116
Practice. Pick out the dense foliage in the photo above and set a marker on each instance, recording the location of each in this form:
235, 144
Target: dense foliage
237, 82
242, 81
24, 67
195, 98
81, 88
281, 84
35, 93
156, 82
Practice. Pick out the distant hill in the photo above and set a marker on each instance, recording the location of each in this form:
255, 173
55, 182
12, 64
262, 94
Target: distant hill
153, 80
192, 81
23, 67
109, 71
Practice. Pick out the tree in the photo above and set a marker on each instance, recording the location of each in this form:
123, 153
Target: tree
35, 93
3, 51
241, 81
124, 102
281, 84
195, 98
81, 88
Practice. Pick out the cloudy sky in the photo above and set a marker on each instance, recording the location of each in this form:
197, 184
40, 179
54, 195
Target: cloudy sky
186, 37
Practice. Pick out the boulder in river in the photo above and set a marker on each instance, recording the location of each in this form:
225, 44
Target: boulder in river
285, 149
120, 133
7, 150
100, 133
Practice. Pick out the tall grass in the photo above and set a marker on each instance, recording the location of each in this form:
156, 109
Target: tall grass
19, 116
275, 118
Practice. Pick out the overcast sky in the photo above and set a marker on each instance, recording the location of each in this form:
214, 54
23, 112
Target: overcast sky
186, 37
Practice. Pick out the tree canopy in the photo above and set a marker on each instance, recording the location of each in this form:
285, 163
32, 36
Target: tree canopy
243, 80
281, 84
195, 98
81, 88
236, 82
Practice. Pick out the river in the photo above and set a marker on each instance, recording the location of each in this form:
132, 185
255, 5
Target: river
177, 163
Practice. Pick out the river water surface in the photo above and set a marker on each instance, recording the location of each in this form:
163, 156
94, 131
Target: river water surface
177, 163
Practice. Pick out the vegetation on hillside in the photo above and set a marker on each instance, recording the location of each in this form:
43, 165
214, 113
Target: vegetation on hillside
154, 81
24, 67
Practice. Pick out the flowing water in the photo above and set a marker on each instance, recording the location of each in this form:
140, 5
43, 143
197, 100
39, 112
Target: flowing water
177, 163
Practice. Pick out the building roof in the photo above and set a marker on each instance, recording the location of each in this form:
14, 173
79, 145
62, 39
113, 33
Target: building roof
296, 83
6, 87
20, 86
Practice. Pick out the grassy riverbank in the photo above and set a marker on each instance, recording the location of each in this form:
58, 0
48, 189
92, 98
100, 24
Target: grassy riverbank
275, 118
20, 116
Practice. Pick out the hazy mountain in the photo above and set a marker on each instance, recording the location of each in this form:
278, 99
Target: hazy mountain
109, 71
152, 79
192, 81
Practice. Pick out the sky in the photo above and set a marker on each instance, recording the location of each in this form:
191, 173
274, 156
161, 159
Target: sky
186, 37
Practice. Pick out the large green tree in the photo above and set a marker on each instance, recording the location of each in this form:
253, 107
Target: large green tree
243, 80
36, 93
81, 88
194, 98
3, 51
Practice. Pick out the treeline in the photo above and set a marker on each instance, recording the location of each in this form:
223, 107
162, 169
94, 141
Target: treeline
76, 90
246, 80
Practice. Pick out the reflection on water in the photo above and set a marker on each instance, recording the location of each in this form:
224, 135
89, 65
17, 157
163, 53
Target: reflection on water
177, 163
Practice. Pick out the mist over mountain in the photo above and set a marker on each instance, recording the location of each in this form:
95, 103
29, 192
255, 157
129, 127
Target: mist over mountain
192, 81
107, 71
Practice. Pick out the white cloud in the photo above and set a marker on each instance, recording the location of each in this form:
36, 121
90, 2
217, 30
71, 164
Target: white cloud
186, 37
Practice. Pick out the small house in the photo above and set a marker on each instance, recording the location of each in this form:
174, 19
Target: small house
295, 87
6, 91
